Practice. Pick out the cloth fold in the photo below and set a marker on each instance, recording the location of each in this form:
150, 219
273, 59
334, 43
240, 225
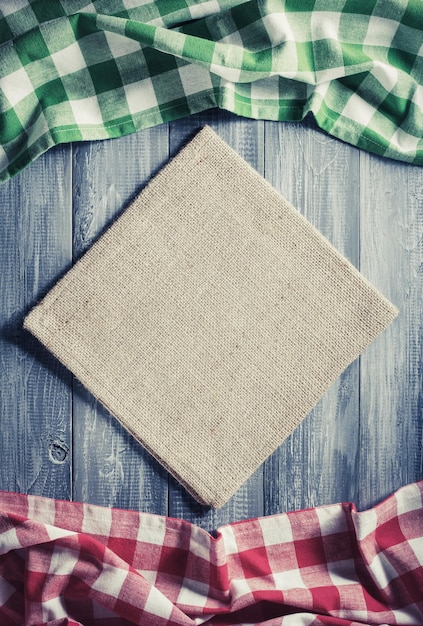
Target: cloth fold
79, 564
78, 70
210, 318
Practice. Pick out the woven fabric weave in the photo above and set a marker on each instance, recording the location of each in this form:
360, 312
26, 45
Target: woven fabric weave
79, 564
80, 70
210, 318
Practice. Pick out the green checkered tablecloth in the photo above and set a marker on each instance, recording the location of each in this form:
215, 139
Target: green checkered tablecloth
72, 70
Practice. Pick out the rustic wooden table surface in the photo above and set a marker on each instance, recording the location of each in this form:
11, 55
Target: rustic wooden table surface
364, 438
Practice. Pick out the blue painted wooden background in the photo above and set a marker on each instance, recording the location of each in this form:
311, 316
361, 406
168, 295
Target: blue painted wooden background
364, 438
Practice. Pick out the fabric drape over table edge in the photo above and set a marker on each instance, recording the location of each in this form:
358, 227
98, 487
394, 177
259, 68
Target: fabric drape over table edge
83, 76
92, 565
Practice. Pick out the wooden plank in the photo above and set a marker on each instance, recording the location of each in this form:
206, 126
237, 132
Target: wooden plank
246, 137
317, 464
110, 467
328, 458
35, 392
391, 371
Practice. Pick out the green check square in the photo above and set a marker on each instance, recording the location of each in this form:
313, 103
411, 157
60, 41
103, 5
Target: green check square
117, 8
394, 107
305, 56
324, 49
359, 7
119, 126
242, 95
10, 61
10, 125
303, 6
402, 59
370, 139
62, 133
72, 84
113, 105
249, 37
58, 115
168, 84
158, 62
51, 93
246, 15
58, 35
41, 145
354, 82
5, 33
92, 43
46, 11
200, 28
20, 161
390, 10
132, 67
353, 54
264, 59
105, 76
21, 21
42, 71
31, 47
175, 108
408, 39
171, 7
200, 48
353, 29
413, 16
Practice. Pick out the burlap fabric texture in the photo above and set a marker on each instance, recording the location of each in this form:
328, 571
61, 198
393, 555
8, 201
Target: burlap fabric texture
210, 318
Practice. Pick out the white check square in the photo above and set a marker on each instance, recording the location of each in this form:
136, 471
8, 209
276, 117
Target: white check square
152, 532
278, 29
87, 111
203, 9
366, 523
325, 25
194, 79
358, 110
417, 546
8, 8
16, 86
382, 570
55, 609
120, 45
158, 605
63, 561
332, 519
409, 499
380, 32
276, 530
193, 593
102, 525
69, 60
140, 96
291, 579
110, 581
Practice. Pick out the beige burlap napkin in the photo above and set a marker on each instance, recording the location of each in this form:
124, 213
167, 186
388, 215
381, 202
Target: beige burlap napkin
210, 318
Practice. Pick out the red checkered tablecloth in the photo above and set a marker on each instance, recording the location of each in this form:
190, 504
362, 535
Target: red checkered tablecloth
64, 563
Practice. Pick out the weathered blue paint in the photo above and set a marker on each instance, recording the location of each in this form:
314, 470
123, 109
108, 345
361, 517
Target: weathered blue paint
363, 439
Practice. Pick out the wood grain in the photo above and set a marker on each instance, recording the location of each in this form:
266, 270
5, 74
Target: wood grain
362, 440
391, 236
110, 467
318, 175
35, 395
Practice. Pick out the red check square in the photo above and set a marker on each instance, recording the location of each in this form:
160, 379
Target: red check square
310, 552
